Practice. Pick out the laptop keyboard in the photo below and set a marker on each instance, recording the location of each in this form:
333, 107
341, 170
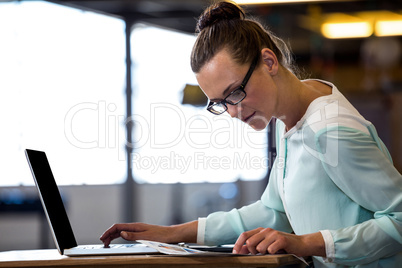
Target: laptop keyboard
111, 246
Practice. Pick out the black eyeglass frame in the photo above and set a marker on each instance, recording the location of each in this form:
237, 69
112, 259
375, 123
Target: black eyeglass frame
223, 102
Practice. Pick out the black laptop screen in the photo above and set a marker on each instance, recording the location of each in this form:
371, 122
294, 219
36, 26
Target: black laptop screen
51, 199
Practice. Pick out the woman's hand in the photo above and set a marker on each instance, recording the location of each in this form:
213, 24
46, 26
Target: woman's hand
266, 240
186, 232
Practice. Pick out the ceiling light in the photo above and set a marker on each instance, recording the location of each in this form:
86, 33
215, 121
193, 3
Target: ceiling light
347, 30
388, 27
252, 2
342, 25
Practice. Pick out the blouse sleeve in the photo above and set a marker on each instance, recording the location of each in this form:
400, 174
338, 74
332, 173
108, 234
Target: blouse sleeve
268, 212
225, 227
359, 164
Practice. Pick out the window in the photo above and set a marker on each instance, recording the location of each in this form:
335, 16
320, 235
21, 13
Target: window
182, 143
62, 76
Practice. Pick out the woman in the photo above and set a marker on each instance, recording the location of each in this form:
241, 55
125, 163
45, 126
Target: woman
333, 192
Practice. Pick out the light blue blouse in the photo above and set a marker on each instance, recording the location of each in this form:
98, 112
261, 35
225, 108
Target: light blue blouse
332, 174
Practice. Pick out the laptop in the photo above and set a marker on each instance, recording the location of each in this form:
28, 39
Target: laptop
57, 218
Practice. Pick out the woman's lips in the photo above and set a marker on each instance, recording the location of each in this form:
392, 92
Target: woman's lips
248, 117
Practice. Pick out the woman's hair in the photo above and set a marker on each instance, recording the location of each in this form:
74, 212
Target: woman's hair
223, 25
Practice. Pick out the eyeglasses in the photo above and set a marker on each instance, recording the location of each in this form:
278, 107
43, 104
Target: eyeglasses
235, 97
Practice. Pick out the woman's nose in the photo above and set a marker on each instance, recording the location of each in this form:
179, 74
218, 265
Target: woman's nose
234, 110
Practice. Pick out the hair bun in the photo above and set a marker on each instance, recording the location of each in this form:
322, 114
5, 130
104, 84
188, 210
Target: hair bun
219, 12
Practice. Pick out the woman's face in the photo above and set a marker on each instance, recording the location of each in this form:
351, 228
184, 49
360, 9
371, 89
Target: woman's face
221, 75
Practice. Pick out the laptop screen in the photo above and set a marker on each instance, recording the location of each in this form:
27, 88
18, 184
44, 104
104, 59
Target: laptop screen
51, 200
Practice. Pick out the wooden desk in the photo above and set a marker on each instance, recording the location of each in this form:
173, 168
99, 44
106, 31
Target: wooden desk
51, 258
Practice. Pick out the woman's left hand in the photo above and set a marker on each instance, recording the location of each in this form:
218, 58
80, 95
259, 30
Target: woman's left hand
269, 241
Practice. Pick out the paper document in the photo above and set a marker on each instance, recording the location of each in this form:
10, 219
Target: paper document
186, 251
180, 250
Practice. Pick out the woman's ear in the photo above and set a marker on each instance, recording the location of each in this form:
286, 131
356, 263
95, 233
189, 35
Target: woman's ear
270, 60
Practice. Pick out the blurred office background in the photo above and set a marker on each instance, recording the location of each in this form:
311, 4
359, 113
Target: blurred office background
106, 89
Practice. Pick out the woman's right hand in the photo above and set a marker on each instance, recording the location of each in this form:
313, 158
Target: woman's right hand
186, 232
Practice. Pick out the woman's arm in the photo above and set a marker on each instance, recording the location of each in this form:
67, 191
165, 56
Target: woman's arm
367, 176
186, 232
266, 240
